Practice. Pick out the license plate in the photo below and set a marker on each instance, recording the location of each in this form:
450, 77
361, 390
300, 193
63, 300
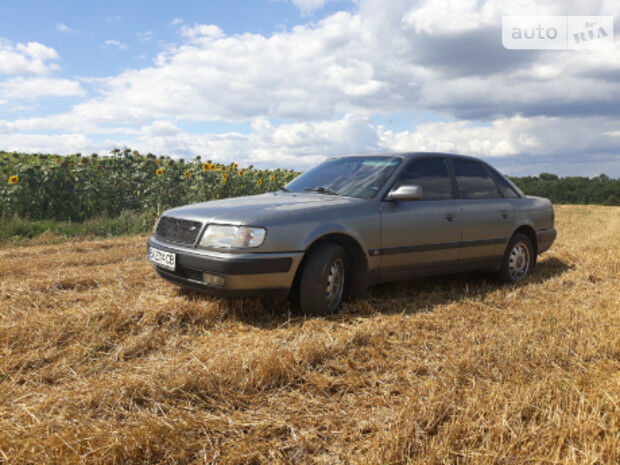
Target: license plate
164, 259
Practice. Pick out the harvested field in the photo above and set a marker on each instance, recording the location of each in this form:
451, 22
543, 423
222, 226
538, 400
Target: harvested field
102, 362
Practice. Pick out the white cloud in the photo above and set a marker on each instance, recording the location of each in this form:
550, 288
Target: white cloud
347, 63
113, 43
300, 145
160, 129
113, 19
539, 136
64, 28
176, 21
145, 36
45, 143
454, 16
449, 16
32, 88
30, 58
307, 7
308, 73
296, 144
198, 31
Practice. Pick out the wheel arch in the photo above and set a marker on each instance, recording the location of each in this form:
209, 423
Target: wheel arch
356, 257
529, 231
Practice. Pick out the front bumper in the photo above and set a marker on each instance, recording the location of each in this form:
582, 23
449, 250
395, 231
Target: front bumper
243, 274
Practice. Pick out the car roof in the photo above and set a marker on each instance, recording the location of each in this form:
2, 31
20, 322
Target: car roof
409, 155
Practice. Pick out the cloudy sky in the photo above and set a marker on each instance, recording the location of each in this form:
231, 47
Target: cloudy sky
286, 83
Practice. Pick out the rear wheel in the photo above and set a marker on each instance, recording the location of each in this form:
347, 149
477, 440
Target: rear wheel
323, 280
518, 259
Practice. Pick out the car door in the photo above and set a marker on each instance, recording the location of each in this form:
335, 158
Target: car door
487, 215
420, 234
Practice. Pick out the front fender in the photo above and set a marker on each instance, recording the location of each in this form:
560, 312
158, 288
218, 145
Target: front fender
325, 229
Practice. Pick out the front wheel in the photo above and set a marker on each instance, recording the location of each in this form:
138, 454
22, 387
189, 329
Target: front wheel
323, 280
518, 260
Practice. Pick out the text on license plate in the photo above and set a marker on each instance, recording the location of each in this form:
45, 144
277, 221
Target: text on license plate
162, 258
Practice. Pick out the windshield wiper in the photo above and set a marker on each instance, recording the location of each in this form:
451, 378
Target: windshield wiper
284, 189
321, 190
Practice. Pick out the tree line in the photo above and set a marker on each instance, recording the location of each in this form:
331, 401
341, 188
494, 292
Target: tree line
601, 190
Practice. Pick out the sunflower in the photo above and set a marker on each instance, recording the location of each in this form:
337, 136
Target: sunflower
241, 172
159, 171
225, 178
260, 182
187, 174
13, 180
235, 166
206, 166
273, 179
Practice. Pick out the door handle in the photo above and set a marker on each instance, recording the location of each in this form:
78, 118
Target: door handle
505, 214
450, 217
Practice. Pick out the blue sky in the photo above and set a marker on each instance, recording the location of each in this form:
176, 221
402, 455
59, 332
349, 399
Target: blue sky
288, 82
92, 22
79, 30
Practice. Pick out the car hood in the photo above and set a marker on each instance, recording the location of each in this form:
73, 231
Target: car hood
260, 209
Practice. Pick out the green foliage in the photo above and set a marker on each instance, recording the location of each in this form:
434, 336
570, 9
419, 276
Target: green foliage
129, 185
78, 188
548, 177
127, 223
601, 190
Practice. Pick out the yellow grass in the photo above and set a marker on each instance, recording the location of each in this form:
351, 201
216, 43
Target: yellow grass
102, 362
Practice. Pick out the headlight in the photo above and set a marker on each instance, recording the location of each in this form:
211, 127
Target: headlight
232, 237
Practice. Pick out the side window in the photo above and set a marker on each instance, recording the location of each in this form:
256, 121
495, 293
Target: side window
429, 173
473, 180
507, 190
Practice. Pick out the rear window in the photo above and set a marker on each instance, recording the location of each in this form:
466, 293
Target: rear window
504, 187
473, 180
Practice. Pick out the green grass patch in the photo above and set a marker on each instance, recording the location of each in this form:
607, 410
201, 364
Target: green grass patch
16, 230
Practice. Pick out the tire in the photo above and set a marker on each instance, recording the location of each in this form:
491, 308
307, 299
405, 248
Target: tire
323, 280
518, 259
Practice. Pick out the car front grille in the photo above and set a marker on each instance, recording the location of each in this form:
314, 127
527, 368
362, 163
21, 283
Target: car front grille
177, 230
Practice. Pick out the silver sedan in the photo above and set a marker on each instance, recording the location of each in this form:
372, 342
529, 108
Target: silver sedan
352, 222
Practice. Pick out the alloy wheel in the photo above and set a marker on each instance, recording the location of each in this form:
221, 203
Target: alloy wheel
335, 283
519, 261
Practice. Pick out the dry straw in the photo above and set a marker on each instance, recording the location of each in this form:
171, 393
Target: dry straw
102, 362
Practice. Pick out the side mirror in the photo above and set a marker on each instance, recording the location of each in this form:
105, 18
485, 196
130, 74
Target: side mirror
406, 193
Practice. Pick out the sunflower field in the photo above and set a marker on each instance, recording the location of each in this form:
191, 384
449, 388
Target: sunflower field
78, 188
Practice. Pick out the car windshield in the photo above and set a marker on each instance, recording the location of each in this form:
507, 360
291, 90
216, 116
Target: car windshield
361, 177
